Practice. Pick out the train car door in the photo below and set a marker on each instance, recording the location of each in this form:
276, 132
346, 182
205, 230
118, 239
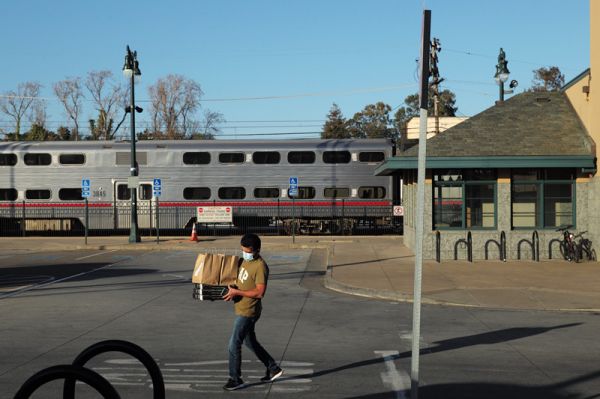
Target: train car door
122, 202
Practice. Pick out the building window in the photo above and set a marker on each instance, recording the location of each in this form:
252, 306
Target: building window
37, 159
375, 192
196, 158
336, 192
301, 157
265, 157
336, 156
231, 157
196, 193
266, 192
71, 159
8, 159
543, 198
37, 194
70, 194
464, 199
8, 194
371, 156
232, 193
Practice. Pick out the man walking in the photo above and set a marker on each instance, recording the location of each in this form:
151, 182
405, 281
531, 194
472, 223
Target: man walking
251, 287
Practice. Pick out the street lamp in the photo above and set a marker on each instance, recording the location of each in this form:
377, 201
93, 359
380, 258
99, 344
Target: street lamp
131, 70
502, 74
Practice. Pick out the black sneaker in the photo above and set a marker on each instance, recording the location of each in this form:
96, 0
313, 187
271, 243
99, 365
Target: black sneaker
232, 385
272, 375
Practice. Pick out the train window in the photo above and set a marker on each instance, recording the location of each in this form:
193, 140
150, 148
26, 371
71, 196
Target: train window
123, 192
231, 157
8, 194
336, 192
37, 159
124, 158
70, 194
71, 159
262, 157
301, 157
371, 192
8, 159
266, 192
37, 194
196, 193
145, 191
371, 156
196, 158
232, 193
336, 156
305, 193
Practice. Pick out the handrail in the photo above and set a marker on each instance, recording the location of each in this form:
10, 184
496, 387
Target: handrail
118, 346
438, 246
67, 372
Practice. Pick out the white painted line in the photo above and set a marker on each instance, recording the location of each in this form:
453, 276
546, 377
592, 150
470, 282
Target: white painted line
99, 253
392, 378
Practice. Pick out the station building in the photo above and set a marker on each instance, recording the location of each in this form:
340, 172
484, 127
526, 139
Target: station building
513, 173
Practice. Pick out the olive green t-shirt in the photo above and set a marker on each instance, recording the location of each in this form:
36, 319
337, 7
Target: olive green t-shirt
250, 274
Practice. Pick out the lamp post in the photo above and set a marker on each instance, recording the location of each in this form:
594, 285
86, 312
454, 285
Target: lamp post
502, 72
131, 70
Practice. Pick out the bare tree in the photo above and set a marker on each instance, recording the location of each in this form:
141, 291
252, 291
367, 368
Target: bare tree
16, 104
174, 100
108, 96
70, 95
38, 115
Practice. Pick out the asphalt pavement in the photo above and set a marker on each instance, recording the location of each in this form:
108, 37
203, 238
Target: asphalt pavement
382, 267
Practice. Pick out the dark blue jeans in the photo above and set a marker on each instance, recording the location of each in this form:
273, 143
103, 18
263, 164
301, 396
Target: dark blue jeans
243, 332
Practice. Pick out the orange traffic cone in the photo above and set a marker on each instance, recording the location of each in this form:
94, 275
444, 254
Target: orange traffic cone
194, 236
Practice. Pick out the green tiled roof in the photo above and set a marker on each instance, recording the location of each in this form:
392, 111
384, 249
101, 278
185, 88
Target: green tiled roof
527, 124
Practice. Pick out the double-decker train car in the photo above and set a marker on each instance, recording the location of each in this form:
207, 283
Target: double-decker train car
41, 183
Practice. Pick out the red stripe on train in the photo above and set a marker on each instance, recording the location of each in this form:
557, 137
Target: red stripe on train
195, 204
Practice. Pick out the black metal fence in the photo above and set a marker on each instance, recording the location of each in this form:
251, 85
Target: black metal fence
27, 219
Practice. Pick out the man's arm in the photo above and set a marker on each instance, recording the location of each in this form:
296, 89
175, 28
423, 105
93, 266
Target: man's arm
257, 292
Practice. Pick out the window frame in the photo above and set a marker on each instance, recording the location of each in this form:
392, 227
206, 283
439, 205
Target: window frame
9, 156
201, 156
197, 188
39, 156
267, 155
39, 190
60, 157
314, 157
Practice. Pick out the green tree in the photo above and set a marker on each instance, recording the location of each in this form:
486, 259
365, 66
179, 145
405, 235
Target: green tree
446, 107
372, 122
63, 133
335, 126
101, 128
547, 79
39, 133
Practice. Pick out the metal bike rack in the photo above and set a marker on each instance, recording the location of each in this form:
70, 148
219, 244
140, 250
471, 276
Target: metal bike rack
501, 246
469, 244
534, 244
552, 241
438, 247
132, 349
67, 372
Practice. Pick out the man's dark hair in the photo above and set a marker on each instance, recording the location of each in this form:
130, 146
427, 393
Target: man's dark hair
251, 240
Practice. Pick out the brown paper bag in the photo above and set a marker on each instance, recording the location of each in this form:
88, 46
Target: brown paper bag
207, 269
229, 270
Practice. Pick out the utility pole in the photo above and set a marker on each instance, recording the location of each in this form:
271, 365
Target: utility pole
435, 76
423, 100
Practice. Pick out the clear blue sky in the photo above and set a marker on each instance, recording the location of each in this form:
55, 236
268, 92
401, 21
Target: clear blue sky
309, 53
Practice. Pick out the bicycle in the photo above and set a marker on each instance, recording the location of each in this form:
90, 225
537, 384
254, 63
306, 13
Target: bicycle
568, 247
585, 247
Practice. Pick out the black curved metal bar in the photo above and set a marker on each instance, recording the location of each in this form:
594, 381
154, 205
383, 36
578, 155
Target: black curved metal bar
132, 349
71, 372
519, 248
503, 245
469, 246
487, 243
535, 240
559, 241
438, 247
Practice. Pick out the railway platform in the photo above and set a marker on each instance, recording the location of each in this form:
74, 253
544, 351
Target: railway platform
382, 267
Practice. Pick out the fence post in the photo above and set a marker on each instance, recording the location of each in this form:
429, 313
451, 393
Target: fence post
87, 220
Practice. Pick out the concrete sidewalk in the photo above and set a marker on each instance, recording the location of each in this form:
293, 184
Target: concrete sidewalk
382, 267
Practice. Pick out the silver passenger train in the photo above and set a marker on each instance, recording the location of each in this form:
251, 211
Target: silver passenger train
335, 180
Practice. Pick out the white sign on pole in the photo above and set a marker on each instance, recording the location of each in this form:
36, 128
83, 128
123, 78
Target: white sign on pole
398, 210
214, 214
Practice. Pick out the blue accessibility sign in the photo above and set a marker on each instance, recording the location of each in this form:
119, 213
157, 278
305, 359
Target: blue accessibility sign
293, 181
156, 188
85, 188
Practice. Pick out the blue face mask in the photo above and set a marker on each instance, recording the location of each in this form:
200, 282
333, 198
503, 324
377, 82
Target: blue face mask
247, 256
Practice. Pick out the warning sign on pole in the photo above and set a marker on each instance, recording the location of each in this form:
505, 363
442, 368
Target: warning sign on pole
398, 210
214, 214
